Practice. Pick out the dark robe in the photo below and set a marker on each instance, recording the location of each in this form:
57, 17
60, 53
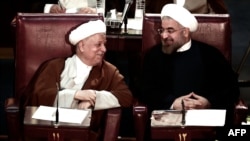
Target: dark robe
202, 69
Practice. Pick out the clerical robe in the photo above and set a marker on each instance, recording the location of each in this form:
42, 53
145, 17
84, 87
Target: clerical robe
202, 69
105, 76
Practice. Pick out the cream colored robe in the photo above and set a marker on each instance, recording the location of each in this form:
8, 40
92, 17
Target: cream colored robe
73, 77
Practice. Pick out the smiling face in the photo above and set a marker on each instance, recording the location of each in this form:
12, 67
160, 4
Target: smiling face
91, 50
173, 35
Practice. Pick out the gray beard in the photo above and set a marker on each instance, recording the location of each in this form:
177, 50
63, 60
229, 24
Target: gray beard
168, 49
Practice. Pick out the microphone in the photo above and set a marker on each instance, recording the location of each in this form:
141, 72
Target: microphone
57, 101
128, 4
183, 121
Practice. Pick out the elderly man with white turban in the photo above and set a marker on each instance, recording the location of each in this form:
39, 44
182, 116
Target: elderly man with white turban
85, 79
181, 69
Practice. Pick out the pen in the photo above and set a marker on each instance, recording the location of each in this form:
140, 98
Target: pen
183, 121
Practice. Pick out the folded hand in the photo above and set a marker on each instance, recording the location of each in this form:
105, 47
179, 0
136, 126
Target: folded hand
191, 101
86, 95
57, 9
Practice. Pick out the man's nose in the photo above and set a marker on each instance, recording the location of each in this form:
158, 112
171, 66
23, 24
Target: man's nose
103, 48
164, 34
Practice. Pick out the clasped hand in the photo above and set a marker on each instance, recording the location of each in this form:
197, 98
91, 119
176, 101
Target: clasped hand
86, 98
59, 9
191, 101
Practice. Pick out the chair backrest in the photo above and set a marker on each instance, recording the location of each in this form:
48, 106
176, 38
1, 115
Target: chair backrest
40, 37
213, 29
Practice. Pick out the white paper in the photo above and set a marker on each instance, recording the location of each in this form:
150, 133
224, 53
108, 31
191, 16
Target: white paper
65, 115
202, 117
205, 117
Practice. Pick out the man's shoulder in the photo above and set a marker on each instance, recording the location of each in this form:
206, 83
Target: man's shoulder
107, 64
204, 46
208, 51
198, 43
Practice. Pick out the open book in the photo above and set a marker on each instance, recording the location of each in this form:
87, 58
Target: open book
204, 117
65, 114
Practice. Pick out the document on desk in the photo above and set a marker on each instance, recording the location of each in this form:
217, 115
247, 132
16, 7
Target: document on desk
204, 117
65, 114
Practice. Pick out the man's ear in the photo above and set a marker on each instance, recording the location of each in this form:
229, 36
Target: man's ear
80, 46
186, 32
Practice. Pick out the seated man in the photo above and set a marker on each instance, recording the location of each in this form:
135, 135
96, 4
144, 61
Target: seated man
184, 69
71, 6
85, 79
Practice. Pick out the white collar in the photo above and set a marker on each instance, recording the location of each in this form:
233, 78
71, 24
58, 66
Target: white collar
81, 67
185, 47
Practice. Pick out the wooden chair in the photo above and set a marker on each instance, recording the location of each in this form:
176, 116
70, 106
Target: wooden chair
40, 37
214, 29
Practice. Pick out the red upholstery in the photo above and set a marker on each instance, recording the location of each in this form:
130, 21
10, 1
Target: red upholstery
40, 37
213, 29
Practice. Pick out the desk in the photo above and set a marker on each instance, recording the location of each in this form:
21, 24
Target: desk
183, 133
47, 130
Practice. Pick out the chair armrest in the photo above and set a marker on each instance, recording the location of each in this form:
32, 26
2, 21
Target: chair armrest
13, 119
140, 114
240, 112
11, 105
112, 124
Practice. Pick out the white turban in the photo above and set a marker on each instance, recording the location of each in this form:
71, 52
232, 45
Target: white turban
85, 30
181, 15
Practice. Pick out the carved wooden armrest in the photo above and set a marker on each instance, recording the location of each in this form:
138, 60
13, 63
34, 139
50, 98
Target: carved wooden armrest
241, 111
13, 118
112, 124
140, 114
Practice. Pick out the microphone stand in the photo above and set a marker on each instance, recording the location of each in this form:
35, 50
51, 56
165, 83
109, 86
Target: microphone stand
125, 23
57, 111
183, 113
124, 20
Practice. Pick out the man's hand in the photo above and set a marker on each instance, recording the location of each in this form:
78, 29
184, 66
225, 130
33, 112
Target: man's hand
57, 9
86, 95
86, 10
191, 101
84, 105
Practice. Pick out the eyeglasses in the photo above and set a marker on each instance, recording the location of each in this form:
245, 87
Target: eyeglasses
168, 30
